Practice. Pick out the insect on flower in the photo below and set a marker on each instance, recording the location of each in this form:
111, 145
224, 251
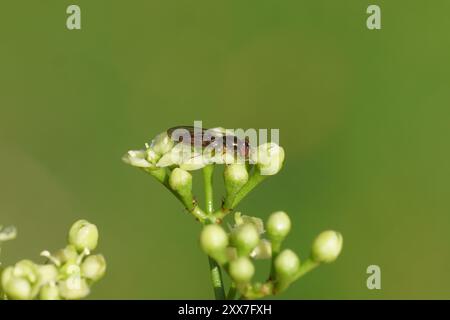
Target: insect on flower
210, 138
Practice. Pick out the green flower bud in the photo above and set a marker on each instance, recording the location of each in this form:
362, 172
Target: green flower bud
180, 181
83, 235
16, 288
49, 292
278, 226
162, 143
19, 281
214, 241
241, 270
245, 238
327, 246
269, 158
235, 176
69, 253
286, 264
73, 288
93, 267
47, 273
26, 269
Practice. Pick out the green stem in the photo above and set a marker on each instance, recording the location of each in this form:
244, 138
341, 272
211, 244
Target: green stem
305, 267
162, 175
255, 179
216, 279
232, 292
276, 247
214, 268
208, 185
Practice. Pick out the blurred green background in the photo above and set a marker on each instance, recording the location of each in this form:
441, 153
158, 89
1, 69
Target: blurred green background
363, 116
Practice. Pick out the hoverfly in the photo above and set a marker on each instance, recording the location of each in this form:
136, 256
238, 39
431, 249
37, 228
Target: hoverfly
210, 138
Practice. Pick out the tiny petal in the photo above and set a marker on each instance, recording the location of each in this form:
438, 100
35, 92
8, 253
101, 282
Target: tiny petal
263, 250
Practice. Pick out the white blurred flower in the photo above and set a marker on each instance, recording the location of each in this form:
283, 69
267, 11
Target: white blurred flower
142, 158
137, 158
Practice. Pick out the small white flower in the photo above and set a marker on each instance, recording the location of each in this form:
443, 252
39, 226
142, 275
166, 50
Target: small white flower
7, 233
196, 162
137, 158
184, 156
162, 143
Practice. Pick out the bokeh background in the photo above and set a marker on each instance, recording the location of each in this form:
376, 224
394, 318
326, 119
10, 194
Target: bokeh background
363, 116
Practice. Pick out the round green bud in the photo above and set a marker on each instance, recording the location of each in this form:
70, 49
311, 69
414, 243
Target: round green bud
18, 289
286, 264
6, 275
278, 226
327, 246
214, 240
241, 270
93, 267
180, 180
83, 235
162, 143
47, 273
69, 253
49, 292
235, 176
73, 288
26, 269
245, 238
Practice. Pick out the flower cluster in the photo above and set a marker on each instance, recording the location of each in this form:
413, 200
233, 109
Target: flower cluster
67, 274
166, 152
250, 239
170, 161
